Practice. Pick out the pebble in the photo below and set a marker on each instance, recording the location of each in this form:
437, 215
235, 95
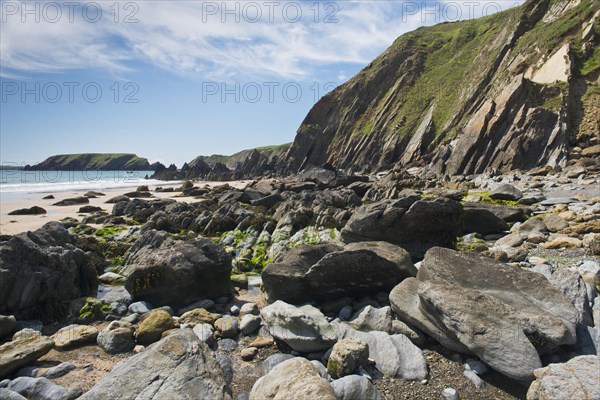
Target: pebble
234, 310
249, 353
227, 344
474, 378
450, 394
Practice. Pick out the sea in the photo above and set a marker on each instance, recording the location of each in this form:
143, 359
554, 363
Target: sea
14, 183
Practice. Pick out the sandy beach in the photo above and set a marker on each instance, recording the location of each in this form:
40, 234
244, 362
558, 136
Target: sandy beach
13, 224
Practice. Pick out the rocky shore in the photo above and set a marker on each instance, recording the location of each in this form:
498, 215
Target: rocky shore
317, 286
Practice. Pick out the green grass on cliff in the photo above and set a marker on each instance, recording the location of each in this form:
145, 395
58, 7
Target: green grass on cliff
241, 156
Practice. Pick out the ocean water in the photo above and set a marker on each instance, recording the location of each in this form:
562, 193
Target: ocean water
18, 181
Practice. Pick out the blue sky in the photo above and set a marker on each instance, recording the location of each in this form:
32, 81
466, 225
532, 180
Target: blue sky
170, 80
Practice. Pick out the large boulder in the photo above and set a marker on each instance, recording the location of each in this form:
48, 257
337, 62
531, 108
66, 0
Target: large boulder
42, 271
506, 191
412, 223
328, 272
180, 366
483, 221
22, 351
166, 271
576, 379
297, 379
505, 315
303, 328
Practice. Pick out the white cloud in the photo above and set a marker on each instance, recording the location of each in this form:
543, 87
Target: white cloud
186, 38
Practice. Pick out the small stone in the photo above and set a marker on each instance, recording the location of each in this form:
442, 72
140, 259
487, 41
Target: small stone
249, 324
347, 356
474, 378
227, 326
249, 353
249, 308
262, 341
205, 332
346, 313
207, 304
450, 394
117, 337
234, 310
140, 307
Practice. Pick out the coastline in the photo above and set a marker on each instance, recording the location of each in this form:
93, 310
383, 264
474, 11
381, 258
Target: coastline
14, 224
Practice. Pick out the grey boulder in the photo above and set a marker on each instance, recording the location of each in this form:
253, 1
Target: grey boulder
304, 328
179, 366
328, 272
353, 387
164, 271
296, 378
37, 388
576, 379
394, 355
414, 224
41, 271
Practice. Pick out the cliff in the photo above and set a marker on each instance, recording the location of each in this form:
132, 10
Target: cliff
514, 90
93, 161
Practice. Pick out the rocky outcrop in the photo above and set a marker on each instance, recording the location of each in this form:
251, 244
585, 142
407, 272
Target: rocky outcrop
327, 272
412, 223
92, 161
503, 314
165, 271
41, 271
180, 366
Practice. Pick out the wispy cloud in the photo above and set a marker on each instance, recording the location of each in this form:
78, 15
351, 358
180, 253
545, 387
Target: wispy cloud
206, 41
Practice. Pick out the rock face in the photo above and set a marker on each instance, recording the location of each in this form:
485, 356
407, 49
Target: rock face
327, 272
304, 328
505, 315
164, 271
417, 104
41, 271
576, 379
22, 351
413, 224
296, 378
180, 366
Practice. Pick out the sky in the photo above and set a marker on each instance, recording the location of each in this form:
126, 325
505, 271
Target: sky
171, 80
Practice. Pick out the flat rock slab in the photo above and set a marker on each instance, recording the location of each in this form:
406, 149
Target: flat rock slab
21, 352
